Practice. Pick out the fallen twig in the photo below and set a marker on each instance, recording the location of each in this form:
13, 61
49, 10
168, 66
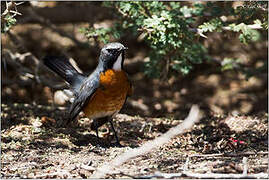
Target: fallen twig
60, 173
230, 154
147, 147
190, 174
245, 170
86, 167
203, 176
186, 165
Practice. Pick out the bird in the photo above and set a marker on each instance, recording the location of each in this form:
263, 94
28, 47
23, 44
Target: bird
102, 94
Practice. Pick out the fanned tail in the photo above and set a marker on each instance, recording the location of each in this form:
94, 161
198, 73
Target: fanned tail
64, 69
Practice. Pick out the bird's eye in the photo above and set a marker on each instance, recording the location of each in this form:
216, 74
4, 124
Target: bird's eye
111, 50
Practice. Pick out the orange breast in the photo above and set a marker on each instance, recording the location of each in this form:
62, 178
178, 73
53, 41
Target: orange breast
110, 96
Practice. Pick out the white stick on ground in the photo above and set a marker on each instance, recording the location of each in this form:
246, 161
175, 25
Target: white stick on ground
221, 155
148, 146
245, 166
189, 174
203, 176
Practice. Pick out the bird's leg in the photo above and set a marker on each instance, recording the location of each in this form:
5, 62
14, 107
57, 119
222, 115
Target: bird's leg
96, 131
98, 123
114, 131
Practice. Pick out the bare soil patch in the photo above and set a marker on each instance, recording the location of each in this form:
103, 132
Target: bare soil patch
36, 143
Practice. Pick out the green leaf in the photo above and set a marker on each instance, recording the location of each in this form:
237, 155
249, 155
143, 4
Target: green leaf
212, 25
186, 11
8, 23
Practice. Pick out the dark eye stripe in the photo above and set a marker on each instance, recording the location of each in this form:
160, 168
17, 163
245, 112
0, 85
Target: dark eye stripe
112, 50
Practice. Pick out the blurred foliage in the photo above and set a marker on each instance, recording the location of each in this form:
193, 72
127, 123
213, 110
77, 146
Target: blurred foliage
8, 22
172, 29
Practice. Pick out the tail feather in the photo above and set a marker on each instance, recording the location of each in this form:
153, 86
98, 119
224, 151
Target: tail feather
64, 69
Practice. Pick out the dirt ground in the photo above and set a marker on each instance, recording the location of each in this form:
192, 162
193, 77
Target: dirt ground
37, 144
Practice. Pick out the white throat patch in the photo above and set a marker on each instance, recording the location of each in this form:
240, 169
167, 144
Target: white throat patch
117, 64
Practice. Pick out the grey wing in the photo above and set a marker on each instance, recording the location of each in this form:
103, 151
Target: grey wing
86, 91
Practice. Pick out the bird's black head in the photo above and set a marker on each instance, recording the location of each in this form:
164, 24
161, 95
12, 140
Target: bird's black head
112, 56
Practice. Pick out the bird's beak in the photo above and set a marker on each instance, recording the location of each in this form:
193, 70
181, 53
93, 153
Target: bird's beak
122, 49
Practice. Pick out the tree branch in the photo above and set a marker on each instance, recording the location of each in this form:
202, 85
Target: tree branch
47, 23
